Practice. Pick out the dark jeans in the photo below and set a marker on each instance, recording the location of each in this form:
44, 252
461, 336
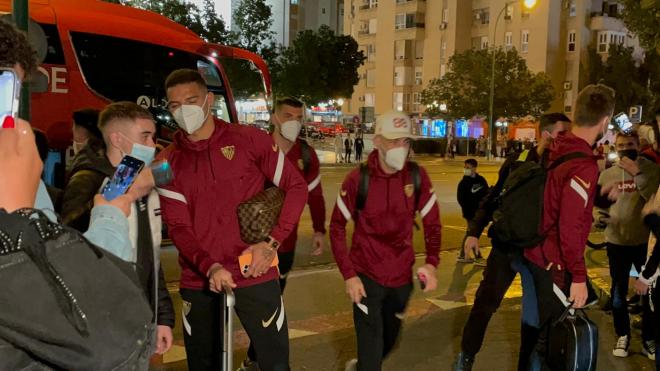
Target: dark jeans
261, 311
622, 258
358, 154
378, 321
348, 155
501, 269
550, 309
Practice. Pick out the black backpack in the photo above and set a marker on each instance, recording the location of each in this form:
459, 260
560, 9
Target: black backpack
70, 306
363, 187
517, 220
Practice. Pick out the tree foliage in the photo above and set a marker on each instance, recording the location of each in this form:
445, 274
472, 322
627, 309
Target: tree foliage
205, 22
635, 83
642, 17
465, 88
319, 66
253, 20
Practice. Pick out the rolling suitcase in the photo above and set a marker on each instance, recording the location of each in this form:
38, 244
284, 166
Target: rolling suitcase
572, 341
228, 330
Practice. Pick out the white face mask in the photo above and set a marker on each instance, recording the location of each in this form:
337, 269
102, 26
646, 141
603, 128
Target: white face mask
191, 117
290, 130
467, 172
78, 146
396, 157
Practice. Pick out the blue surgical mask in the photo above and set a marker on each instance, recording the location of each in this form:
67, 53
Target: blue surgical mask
143, 153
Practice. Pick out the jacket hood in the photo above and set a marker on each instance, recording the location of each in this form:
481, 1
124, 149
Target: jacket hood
566, 142
181, 139
92, 158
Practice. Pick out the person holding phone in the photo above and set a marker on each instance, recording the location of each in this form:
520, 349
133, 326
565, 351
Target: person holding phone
108, 223
128, 132
627, 235
217, 167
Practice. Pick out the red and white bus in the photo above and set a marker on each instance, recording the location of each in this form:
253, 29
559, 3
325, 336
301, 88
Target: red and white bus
99, 52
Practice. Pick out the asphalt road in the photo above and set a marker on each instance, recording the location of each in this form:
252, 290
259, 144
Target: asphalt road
319, 312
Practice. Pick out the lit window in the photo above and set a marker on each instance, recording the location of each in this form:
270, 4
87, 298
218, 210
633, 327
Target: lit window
524, 41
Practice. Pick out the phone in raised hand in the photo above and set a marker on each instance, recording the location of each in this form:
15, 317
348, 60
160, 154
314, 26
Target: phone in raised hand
123, 179
623, 122
10, 93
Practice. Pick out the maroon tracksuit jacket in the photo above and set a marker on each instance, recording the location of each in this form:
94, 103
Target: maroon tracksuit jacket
315, 198
211, 178
382, 246
568, 201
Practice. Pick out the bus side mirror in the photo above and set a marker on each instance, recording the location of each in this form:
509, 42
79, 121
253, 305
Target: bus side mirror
38, 83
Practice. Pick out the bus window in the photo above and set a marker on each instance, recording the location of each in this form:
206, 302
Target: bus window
54, 53
122, 69
248, 88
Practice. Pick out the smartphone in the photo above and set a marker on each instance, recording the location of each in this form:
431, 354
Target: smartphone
10, 93
124, 176
623, 122
162, 172
245, 260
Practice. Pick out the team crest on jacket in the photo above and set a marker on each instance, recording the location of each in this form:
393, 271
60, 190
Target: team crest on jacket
228, 152
409, 189
301, 164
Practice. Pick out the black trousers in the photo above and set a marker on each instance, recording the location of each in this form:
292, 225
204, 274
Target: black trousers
285, 265
622, 258
655, 296
348, 155
261, 311
550, 309
498, 276
378, 322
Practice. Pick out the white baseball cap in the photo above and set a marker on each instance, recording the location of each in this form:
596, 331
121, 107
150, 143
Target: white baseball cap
394, 125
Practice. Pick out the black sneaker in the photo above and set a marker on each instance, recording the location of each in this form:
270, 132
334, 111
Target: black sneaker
648, 349
463, 362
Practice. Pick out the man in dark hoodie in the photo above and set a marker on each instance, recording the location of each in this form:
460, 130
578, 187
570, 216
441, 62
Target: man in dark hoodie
127, 129
557, 264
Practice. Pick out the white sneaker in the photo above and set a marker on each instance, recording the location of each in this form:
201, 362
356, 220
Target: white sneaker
351, 365
648, 349
621, 348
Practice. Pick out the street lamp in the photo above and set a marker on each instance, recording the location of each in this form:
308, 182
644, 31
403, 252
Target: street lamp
528, 4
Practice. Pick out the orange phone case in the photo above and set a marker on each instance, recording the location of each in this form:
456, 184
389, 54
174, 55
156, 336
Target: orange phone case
245, 260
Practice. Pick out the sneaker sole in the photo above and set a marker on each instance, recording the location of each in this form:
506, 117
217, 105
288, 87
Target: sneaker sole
649, 355
621, 354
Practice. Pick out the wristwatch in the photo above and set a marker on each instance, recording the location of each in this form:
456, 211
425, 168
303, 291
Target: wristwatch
273, 243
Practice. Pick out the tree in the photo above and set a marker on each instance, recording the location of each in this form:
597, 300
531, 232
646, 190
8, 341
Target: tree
635, 83
206, 23
253, 19
642, 17
319, 66
466, 87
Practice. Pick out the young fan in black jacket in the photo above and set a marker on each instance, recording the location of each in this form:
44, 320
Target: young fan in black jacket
471, 191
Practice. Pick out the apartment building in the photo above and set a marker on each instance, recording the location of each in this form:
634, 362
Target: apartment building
409, 42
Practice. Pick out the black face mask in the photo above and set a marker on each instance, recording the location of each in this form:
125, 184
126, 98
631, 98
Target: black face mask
630, 153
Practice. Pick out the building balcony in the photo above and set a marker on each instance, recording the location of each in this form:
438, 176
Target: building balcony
411, 6
413, 33
365, 33
602, 22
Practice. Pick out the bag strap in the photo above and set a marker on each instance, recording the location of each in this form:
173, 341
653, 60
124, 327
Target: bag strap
363, 188
305, 155
413, 169
567, 157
